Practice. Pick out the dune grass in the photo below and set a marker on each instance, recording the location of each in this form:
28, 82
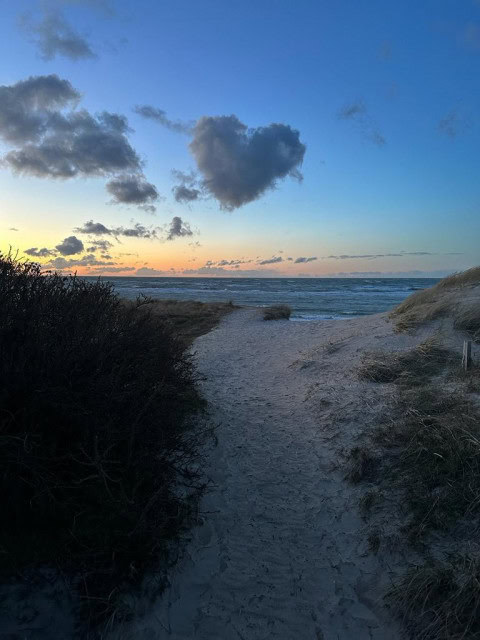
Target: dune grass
99, 434
449, 297
411, 367
277, 312
426, 457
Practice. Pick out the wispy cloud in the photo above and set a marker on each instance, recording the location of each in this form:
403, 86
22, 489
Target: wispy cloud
160, 116
273, 260
358, 113
302, 259
54, 36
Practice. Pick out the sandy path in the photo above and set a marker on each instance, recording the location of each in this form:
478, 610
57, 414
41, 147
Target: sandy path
281, 550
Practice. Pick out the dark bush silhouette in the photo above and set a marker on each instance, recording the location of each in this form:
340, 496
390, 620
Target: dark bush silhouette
98, 457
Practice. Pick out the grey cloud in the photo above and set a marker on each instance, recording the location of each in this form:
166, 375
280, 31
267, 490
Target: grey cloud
357, 113
372, 256
271, 260
12, 229
239, 164
352, 110
94, 228
28, 107
302, 259
194, 245
133, 189
160, 116
137, 231
289, 258
77, 144
178, 228
70, 246
188, 188
182, 193
232, 263
148, 271
53, 143
106, 256
40, 253
85, 261
99, 245
54, 36
231, 273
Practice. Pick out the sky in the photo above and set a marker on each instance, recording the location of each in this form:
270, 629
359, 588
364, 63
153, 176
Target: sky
241, 138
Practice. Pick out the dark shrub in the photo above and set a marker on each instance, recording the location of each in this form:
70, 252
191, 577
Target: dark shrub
277, 312
98, 461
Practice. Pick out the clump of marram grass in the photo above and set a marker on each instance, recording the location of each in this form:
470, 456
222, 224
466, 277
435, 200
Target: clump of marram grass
468, 320
448, 297
441, 600
363, 465
277, 312
411, 367
99, 456
431, 454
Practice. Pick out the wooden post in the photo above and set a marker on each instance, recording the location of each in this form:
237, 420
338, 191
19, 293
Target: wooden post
467, 354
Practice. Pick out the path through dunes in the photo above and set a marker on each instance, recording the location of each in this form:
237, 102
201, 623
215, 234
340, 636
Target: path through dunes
281, 549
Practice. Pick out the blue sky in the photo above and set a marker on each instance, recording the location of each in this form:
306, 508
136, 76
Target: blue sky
385, 97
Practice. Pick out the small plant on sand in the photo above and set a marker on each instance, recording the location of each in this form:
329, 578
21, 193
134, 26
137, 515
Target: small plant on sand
277, 312
98, 447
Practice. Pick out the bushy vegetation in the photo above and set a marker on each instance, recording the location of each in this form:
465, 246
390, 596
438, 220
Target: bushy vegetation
98, 454
189, 319
277, 312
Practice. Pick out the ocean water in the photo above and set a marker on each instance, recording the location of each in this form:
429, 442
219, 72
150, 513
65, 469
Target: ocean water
309, 298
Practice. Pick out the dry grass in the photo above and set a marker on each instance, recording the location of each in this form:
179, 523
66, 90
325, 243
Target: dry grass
410, 367
277, 312
441, 600
189, 319
363, 465
431, 453
449, 297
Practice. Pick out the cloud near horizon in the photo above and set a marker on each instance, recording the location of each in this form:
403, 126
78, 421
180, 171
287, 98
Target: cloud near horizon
273, 260
239, 164
302, 259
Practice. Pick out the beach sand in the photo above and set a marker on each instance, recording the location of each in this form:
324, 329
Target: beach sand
280, 549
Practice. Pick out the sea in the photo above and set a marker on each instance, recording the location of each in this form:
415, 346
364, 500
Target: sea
309, 298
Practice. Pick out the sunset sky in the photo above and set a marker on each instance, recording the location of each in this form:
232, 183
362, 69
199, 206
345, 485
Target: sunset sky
265, 137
